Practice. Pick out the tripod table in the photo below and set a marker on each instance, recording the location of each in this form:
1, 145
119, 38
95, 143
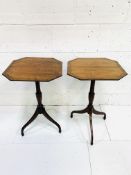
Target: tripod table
36, 70
94, 69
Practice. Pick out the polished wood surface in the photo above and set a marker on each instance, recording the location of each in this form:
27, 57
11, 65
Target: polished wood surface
34, 69
95, 69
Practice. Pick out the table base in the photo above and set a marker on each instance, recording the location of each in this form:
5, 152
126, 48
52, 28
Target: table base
39, 110
90, 109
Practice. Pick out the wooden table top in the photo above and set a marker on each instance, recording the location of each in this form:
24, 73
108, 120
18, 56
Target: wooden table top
95, 69
34, 69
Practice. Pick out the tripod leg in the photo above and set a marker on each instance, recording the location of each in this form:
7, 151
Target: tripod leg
51, 120
99, 113
91, 128
41, 109
79, 112
30, 121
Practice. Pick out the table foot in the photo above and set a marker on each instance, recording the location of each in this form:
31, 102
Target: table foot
78, 111
30, 121
91, 128
51, 120
99, 113
39, 110
90, 109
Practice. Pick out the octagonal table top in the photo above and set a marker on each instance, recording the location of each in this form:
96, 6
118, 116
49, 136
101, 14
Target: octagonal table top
34, 69
95, 69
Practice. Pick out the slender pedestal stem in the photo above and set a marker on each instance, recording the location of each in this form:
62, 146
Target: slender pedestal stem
90, 109
39, 110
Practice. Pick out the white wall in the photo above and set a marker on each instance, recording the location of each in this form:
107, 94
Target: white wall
65, 29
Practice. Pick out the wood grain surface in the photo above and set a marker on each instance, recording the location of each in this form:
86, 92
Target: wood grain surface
34, 69
95, 69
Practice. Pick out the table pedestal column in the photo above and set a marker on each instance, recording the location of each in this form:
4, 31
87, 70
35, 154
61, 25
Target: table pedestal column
90, 109
39, 110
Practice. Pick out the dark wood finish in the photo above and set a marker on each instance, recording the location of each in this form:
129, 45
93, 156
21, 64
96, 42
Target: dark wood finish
95, 69
39, 110
90, 109
34, 69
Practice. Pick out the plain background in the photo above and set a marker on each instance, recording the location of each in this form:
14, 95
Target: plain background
65, 29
